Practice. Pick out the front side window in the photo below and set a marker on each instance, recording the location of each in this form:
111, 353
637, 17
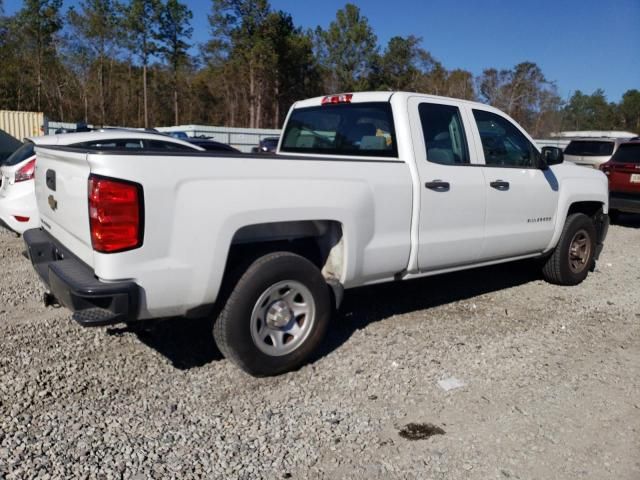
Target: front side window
444, 135
503, 143
359, 129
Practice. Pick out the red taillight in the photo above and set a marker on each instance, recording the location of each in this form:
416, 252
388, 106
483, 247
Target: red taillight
26, 172
115, 214
335, 99
20, 218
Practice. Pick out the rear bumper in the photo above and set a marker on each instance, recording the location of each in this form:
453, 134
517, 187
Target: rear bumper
75, 286
624, 202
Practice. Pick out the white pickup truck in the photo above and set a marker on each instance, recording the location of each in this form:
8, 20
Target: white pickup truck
364, 188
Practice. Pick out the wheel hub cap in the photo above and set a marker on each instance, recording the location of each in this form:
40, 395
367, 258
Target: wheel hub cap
279, 314
579, 251
283, 318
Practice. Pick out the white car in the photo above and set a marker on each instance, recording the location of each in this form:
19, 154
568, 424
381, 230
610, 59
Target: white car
18, 209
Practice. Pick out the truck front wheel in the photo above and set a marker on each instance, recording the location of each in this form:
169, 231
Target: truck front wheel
275, 316
573, 256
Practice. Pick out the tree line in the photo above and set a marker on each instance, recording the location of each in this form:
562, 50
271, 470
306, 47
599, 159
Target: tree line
133, 63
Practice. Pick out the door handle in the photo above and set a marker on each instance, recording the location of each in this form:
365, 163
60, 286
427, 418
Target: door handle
500, 185
438, 186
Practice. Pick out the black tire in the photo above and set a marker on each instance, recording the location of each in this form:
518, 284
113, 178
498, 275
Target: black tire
232, 329
559, 268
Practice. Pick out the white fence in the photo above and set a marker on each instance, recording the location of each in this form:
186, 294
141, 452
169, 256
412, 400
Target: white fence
552, 142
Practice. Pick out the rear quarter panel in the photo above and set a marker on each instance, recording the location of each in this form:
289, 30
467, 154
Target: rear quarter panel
194, 205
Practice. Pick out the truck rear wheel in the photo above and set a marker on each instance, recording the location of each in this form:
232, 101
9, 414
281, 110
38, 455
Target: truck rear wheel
573, 256
275, 316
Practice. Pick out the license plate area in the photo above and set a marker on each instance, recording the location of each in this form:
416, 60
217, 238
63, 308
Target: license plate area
635, 178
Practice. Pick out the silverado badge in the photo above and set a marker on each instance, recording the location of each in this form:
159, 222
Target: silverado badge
53, 203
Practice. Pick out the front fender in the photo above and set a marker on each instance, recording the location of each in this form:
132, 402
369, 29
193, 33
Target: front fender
573, 190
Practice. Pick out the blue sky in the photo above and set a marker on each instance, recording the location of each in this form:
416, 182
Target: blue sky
579, 44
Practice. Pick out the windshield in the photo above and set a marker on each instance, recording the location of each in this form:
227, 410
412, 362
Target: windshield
359, 129
589, 148
20, 155
627, 153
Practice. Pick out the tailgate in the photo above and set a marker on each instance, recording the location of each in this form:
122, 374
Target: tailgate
62, 197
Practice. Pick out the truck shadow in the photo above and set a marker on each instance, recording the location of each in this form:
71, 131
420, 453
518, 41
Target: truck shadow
187, 343
366, 305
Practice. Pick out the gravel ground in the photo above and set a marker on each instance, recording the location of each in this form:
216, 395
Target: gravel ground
551, 374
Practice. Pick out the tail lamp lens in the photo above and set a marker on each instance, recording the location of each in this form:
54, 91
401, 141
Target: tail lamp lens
26, 173
115, 214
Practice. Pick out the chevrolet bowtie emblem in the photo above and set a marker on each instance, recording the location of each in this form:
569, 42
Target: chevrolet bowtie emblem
53, 203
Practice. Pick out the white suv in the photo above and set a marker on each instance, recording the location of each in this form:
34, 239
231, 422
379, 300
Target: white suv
592, 152
18, 209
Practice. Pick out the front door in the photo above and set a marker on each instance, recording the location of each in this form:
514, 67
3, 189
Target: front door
521, 198
452, 187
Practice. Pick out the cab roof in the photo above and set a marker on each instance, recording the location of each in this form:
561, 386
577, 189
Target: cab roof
363, 97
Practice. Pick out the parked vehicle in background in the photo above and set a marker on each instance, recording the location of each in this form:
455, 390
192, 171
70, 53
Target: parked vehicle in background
180, 135
592, 152
18, 209
366, 188
212, 145
623, 171
8, 145
266, 145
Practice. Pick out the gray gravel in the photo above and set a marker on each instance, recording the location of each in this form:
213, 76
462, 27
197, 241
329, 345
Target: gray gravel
552, 385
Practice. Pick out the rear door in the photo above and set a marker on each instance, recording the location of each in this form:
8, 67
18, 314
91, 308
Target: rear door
522, 199
452, 187
62, 196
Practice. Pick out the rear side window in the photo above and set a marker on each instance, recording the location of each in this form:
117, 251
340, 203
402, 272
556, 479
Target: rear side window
589, 148
444, 134
167, 146
20, 155
215, 147
359, 129
124, 144
503, 143
627, 153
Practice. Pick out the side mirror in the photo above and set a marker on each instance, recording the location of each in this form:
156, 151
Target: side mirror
551, 156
